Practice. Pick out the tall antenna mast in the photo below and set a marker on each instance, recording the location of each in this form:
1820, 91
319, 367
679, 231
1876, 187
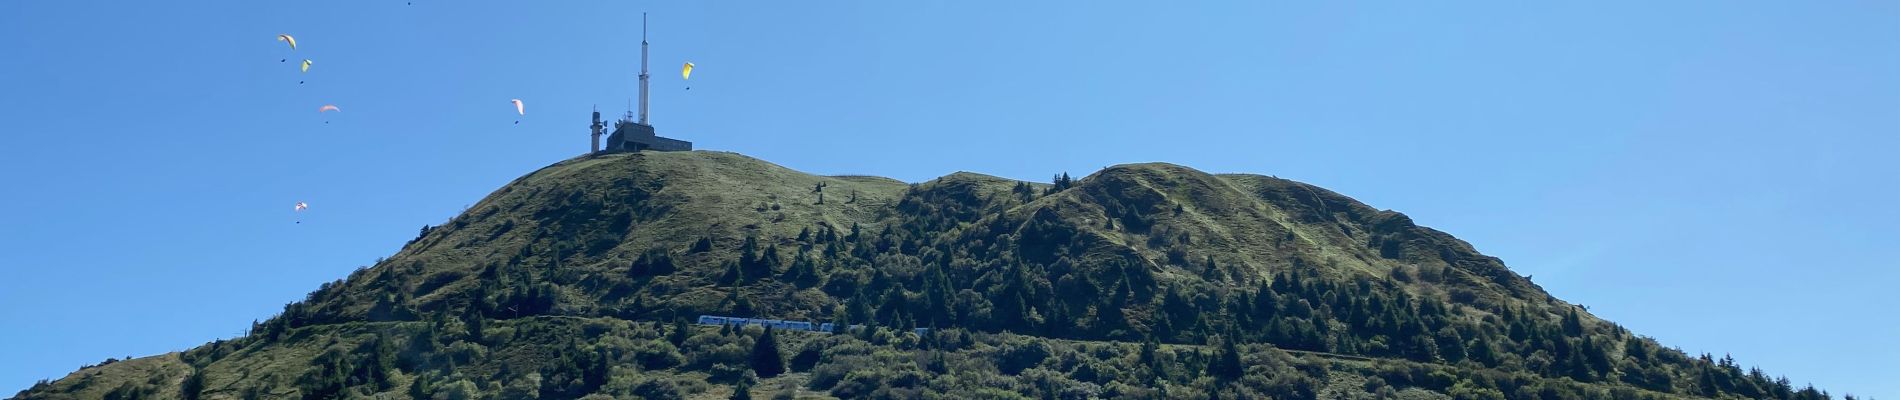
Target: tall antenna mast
597, 128
643, 69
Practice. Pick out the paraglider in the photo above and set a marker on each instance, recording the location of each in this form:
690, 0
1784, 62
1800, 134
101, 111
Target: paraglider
287, 39
328, 108
686, 73
299, 210
306, 65
519, 109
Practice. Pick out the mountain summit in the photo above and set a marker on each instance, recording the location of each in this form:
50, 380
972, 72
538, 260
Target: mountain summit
586, 279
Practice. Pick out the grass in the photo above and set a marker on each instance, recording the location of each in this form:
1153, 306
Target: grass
578, 224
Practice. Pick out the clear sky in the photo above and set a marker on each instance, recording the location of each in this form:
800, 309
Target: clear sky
1717, 174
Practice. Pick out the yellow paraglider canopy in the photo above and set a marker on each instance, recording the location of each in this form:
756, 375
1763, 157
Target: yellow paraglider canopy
286, 38
306, 65
687, 71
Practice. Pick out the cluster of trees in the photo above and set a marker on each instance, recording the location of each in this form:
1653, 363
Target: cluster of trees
459, 359
600, 358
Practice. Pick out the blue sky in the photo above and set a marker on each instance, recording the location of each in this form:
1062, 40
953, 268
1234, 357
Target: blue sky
1718, 175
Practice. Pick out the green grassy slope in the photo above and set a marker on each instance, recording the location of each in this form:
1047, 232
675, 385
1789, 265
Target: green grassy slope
1139, 281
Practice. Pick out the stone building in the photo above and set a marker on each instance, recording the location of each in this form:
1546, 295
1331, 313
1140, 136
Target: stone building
629, 135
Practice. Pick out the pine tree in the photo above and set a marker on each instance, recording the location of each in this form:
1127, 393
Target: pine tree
679, 334
1226, 366
477, 327
768, 261
597, 372
743, 391
1573, 324
419, 388
1266, 305
652, 263
1148, 349
766, 360
732, 275
740, 304
193, 385
857, 310
936, 297
1163, 328
749, 253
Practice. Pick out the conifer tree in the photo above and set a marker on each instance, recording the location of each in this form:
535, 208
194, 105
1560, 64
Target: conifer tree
749, 252
1573, 324
766, 360
1148, 349
768, 261
1061, 182
731, 276
742, 392
679, 334
1226, 366
194, 385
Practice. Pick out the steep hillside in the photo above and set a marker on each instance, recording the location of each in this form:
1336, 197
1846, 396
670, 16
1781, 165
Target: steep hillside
1139, 281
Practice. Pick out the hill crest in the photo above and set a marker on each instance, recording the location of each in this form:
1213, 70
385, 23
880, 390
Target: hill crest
566, 280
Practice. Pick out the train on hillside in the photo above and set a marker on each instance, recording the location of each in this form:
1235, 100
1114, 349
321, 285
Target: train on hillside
784, 324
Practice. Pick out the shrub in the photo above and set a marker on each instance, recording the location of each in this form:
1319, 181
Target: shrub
657, 389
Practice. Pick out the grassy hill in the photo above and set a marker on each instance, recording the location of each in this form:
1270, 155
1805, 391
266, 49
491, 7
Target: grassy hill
1140, 281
